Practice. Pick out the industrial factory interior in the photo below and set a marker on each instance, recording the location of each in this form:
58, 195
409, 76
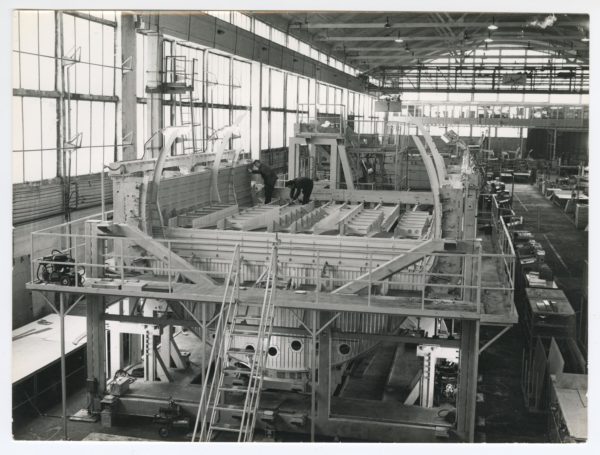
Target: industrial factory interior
297, 226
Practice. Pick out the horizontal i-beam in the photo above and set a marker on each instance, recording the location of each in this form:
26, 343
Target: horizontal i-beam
383, 196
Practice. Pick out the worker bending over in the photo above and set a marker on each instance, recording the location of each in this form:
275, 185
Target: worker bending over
299, 185
268, 175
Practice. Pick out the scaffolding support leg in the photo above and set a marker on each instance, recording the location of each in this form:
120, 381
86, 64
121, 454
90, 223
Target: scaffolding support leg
63, 365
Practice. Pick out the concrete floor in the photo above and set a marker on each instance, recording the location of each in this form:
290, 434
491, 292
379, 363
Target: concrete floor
502, 410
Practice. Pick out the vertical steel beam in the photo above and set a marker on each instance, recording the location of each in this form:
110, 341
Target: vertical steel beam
63, 367
323, 395
467, 379
313, 375
129, 85
96, 345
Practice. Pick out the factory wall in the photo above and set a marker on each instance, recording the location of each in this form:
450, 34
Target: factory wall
571, 146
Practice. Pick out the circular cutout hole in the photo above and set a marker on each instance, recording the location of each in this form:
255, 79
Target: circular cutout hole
273, 351
250, 348
296, 345
344, 349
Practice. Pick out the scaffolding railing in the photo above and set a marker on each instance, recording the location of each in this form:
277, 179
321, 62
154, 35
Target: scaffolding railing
302, 267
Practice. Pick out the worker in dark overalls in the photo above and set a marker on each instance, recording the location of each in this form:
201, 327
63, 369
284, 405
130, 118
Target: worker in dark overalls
299, 185
269, 177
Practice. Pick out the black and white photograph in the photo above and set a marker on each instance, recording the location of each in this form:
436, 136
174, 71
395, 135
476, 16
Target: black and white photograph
297, 225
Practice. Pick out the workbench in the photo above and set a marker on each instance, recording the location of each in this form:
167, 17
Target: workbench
37, 345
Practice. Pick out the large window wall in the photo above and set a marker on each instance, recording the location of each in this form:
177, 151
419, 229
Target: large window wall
224, 92
88, 88
70, 126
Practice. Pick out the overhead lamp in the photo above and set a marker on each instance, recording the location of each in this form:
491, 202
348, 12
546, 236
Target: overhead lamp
398, 39
488, 40
585, 39
387, 22
493, 25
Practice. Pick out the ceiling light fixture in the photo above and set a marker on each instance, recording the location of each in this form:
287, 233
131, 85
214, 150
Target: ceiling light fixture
489, 40
387, 22
585, 39
493, 25
398, 39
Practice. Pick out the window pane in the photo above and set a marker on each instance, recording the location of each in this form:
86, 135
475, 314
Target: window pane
16, 65
261, 29
82, 161
96, 133
304, 48
276, 89
68, 33
46, 73
82, 77
17, 167
83, 122
276, 129
242, 83
17, 131
29, 72
108, 38
218, 66
96, 80
28, 31
48, 123
303, 91
32, 133
96, 159
33, 166
265, 87
49, 161
109, 125
82, 38
46, 29
278, 36
108, 81
140, 66
242, 119
293, 43
290, 121
96, 41
292, 92
264, 131
322, 93
241, 20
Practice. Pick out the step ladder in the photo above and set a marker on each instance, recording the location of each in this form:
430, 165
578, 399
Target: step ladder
184, 103
229, 325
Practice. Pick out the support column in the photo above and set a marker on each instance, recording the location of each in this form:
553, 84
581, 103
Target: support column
467, 380
63, 365
324, 365
153, 61
129, 86
96, 350
95, 306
